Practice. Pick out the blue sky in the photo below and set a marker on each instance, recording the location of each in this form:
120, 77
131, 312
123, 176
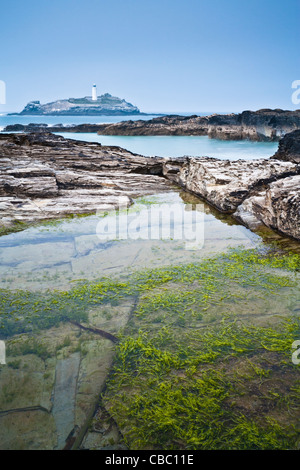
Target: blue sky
161, 55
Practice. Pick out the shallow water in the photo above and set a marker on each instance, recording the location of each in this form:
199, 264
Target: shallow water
56, 254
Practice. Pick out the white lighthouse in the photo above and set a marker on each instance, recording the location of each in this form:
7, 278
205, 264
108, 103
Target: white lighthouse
94, 93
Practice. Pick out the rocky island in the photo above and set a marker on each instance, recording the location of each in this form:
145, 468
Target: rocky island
44, 176
264, 125
102, 105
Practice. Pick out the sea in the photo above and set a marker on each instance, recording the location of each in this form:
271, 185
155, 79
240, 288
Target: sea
164, 146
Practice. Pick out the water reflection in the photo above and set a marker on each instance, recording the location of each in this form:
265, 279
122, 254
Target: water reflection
56, 254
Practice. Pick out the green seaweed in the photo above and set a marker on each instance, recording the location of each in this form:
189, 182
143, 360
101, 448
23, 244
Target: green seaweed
168, 397
204, 361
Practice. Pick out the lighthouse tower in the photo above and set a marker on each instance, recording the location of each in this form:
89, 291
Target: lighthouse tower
94, 93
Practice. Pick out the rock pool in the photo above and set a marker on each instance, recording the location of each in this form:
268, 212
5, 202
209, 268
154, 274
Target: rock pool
203, 357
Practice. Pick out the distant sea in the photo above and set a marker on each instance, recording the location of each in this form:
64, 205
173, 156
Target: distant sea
6, 120
165, 146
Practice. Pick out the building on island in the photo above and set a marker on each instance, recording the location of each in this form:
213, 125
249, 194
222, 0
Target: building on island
94, 93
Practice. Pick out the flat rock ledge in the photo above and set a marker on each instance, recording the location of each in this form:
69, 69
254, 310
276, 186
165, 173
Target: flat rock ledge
44, 176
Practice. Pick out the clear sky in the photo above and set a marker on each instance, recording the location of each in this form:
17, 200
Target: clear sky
161, 55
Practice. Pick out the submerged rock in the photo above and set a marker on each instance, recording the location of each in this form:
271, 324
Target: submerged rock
51, 385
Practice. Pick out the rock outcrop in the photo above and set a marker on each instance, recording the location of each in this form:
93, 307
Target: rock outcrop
44, 176
255, 192
224, 183
33, 127
262, 125
278, 207
289, 148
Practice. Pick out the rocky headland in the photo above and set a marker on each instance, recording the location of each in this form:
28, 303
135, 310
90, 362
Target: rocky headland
44, 176
262, 125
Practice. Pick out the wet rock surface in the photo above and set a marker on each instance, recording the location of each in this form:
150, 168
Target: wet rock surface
61, 379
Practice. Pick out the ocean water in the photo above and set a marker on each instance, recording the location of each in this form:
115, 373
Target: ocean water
177, 146
164, 146
6, 120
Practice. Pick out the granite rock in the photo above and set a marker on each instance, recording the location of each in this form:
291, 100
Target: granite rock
223, 183
256, 192
278, 207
